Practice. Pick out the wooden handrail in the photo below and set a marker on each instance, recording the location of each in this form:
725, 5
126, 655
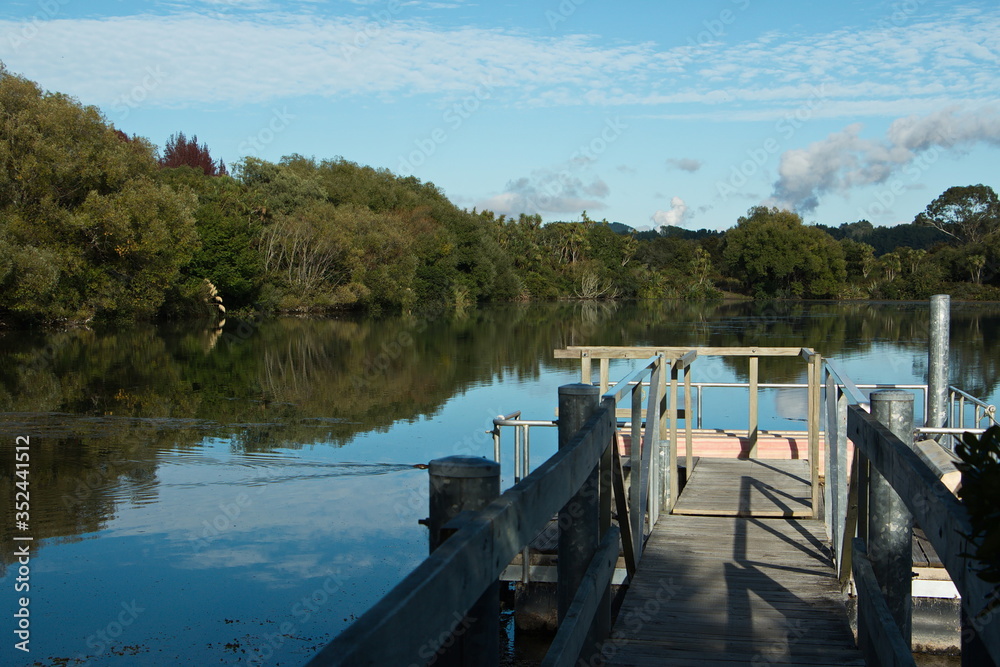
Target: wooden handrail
453, 577
879, 639
405, 624
609, 352
935, 509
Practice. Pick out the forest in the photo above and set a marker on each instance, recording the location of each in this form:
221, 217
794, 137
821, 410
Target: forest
99, 226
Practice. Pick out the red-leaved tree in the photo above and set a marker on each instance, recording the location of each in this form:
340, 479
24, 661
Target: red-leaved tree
180, 151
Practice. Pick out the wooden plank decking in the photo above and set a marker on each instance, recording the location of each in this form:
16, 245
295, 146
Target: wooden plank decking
747, 487
722, 588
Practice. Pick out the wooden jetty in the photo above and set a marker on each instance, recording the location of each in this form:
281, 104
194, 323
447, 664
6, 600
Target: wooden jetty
741, 565
749, 564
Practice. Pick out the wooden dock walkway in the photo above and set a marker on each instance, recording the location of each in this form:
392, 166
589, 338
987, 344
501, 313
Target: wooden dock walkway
731, 579
747, 487
735, 570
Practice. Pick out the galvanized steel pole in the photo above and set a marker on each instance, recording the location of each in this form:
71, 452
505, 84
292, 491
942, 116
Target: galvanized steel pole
890, 524
937, 362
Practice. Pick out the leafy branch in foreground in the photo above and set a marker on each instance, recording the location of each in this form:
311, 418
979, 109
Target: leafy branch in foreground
980, 491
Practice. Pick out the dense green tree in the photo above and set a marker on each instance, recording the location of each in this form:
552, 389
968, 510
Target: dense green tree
88, 230
773, 254
967, 214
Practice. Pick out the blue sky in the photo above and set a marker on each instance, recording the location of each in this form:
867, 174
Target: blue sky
646, 113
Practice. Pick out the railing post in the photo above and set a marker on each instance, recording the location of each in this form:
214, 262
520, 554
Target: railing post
675, 485
688, 431
754, 401
579, 529
937, 362
831, 439
840, 466
459, 484
663, 437
635, 512
890, 524
814, 368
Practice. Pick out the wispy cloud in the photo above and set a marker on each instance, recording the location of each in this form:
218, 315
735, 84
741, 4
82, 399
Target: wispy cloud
549, 191
845, 160
257, 54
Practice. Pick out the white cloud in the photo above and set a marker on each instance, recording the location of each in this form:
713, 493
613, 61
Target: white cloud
674, 216
548, 191
846, 160
261, 57
258, 55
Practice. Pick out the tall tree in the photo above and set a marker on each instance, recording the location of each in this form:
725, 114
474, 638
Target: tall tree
773, 254
84, 228
968, 214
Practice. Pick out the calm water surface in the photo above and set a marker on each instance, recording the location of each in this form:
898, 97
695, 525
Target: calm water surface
240, 499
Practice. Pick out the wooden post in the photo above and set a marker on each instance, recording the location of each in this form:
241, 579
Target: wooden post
605, 379
814, 367
635, 512
830, 393
688, 418
467, 484
579, 530
602, 622
667, 471
675, 483
752, 428
836, 465
890, 524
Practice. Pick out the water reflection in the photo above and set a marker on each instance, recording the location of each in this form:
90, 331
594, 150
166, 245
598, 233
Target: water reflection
278, 452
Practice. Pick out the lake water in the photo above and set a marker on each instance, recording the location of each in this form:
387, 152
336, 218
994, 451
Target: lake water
240, 499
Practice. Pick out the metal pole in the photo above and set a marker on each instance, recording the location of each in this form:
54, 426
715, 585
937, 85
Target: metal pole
459, 484
579, 529
937, 362
890, 524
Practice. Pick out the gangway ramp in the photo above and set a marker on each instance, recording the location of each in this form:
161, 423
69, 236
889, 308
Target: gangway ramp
735, 577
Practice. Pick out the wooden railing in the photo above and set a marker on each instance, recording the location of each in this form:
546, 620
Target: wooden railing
871, 509
409, 624
681, 360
